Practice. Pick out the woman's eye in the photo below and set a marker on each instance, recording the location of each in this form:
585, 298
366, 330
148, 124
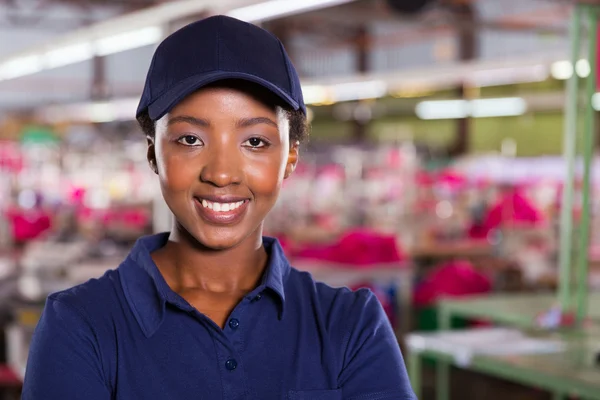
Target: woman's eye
189, 140
255, 143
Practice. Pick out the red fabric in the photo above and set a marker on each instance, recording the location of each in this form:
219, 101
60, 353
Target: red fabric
452, 279
512, 209
8, 377
424, 178
452, 179
358, 247
28, 225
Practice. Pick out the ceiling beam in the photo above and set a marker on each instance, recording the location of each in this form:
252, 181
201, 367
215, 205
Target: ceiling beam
159, 17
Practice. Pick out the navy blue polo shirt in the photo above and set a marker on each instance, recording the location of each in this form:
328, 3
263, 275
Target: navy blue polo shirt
128, 336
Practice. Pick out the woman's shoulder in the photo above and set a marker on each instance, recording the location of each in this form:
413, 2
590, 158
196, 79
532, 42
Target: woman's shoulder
339, 299
95, 297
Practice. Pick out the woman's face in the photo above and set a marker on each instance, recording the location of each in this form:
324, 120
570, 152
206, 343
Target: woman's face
221, 157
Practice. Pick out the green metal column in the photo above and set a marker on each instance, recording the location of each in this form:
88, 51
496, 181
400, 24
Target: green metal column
557, 396
570, 139
414, 372
442, 383
588, 151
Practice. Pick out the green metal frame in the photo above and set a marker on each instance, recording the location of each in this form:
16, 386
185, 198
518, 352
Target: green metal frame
560, 387
572, 298
569, 146
588, 151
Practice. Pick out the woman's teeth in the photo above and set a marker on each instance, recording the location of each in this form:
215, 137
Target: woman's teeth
221, 207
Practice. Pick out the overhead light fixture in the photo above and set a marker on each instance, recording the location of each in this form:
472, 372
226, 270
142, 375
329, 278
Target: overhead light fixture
128, 40
78, 52
596, 101
315, 94
480, 108
582, 68
358, 90
20, 66
280, 8
348, 91
68, 55
509, 75
95, 112
562, 70
442, 109
92, 42
502, 107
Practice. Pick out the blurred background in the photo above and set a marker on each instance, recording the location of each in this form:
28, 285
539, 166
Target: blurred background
434, 174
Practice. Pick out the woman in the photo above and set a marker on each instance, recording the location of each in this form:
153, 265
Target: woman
213, 310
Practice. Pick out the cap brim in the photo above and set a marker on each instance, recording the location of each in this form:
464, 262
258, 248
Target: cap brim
166, 101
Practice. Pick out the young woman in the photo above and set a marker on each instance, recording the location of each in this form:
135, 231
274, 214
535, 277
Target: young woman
213, 310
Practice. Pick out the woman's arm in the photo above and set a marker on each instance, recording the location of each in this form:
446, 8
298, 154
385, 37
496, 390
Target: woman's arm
373, 365
64, 358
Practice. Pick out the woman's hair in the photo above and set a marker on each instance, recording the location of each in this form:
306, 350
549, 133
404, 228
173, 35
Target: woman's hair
299, 126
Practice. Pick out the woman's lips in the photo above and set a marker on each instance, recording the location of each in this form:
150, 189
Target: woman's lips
221, 212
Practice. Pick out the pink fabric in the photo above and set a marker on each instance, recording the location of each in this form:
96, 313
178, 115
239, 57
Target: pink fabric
513, 209
28, 225
424, 178
359, 248
452, 179
451, 279
134, 218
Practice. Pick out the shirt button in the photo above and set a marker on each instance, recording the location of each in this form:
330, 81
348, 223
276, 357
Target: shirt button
231, 364
234, 323
258, 297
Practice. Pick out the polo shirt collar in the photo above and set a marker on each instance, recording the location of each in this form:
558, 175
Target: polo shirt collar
147, 292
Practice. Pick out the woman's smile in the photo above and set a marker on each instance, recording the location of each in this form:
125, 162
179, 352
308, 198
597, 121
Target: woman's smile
221, 212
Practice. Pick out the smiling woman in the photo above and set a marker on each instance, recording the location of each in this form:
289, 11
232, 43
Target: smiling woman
221, 155
212, 309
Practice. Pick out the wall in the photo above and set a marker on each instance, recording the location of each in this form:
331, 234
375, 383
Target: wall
535, 135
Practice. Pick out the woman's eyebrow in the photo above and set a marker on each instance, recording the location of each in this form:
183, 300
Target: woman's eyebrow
246, 122
202, 123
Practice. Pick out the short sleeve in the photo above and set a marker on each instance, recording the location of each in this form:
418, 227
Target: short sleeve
64, 358
373, 366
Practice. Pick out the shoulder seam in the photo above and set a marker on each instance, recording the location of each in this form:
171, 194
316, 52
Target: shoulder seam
83, 315
348, 328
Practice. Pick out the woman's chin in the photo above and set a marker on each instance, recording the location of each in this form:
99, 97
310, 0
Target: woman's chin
217, 240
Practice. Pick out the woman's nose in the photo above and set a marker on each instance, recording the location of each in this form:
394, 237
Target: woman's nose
222, 166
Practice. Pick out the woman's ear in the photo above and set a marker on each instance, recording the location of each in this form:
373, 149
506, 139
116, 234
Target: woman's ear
292, 160
151, 155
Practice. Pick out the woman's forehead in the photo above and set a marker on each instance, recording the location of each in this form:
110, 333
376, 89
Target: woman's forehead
212, 97
218, 106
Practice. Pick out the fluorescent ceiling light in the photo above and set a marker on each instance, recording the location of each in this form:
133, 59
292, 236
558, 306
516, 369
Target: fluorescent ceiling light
481, 108
315, 94
78, 52
92, 43
358, 90
20, 66
507, 76
562, 70
280, 8
96, 112
329, 94
68, 55
503, 107
582, 67
596, 101
128, 40
442, 109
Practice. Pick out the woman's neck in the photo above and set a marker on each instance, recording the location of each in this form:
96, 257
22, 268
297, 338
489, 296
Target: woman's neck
186, 266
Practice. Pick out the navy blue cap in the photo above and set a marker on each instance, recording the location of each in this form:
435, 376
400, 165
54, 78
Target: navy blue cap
214, 49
